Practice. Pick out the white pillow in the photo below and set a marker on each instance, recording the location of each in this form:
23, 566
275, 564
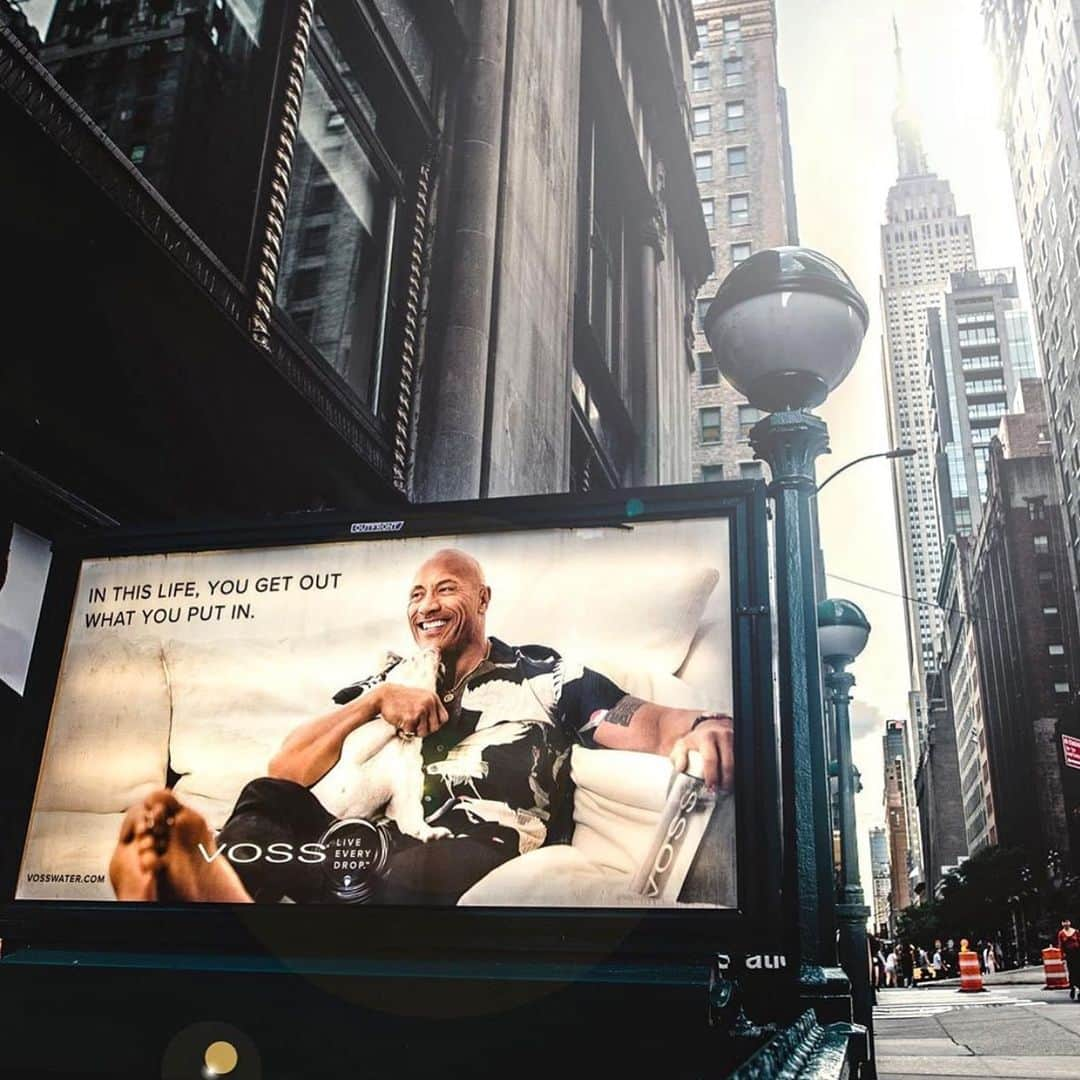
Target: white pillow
108, 738
639, 615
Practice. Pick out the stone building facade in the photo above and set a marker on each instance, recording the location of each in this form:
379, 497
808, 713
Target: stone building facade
742, 156
1027, 638
460, 242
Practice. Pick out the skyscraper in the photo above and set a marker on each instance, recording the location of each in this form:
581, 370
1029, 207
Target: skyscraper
900, 815
1037, 50
742, 158
879, 872
978, 350
1027, 639
923, 241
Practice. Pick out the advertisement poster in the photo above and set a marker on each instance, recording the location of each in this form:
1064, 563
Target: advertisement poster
450, 720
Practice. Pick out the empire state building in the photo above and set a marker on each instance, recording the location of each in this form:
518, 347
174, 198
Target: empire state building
923, 241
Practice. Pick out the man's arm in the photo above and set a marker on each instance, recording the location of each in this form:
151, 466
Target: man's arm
633, 724
314, 748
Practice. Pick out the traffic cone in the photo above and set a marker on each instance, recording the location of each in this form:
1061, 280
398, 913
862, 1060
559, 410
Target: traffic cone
1054, 969
970, 976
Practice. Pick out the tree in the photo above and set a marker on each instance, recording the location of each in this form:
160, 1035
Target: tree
919, 924
975, 899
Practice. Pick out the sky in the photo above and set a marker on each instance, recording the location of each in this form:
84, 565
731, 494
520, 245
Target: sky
836, 61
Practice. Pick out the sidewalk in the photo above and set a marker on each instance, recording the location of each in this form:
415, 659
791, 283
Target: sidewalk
1017, 1030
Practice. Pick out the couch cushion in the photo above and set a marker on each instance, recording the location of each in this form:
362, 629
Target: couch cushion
108, 740
234, 702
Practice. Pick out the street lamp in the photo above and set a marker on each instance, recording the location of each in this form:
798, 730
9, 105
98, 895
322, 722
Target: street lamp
843, 630
785, 328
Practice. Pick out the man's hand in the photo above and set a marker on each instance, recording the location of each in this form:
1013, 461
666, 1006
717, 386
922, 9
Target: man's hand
411, 711
714, 740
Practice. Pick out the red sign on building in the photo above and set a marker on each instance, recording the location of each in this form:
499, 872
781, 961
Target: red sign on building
1071, 746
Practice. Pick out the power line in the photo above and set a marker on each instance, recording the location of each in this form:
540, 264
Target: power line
911, 599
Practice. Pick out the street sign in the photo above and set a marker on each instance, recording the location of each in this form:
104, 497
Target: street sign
1071, 747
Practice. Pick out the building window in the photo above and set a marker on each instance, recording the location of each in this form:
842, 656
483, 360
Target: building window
740, 253
138, 154
702, 29
353, 195
700, 310
700, 70
1036, 509
736, 161
710, 424
602, 225
748, 417
315, 241
708, 208
1061, 688
1046, 579
304, 285
733, 71
751, 470
732, 29
712, 473
1056, 650
1050, 612
738, 209
1042, 545
708, 372
703, 166
735, 115
702, 120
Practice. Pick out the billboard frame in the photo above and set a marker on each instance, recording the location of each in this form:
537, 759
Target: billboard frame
756, 926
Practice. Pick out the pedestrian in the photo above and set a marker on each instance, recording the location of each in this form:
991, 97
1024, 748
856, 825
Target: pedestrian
936, 962
907, 964
989, 961
1068, 940
890, 969
879, 966
948, 957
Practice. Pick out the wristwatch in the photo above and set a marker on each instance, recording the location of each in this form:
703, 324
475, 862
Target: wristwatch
708, 716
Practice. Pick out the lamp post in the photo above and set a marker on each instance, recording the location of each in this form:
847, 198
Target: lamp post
843, 630
785, 327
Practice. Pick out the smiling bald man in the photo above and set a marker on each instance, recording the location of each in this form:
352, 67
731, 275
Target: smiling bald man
498, 731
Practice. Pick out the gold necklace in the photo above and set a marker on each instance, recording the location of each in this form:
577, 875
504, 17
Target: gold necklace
449, 695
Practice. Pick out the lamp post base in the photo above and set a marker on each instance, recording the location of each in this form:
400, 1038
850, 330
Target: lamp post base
851, 916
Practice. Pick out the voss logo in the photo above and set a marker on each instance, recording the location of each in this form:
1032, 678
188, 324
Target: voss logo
243, 852
376, 527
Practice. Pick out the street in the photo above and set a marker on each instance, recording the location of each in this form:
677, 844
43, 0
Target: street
1016, 1029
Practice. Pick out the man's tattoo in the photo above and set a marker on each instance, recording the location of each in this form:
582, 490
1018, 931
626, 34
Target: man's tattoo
622, 712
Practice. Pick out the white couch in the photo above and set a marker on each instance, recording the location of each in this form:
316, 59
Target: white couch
215, 707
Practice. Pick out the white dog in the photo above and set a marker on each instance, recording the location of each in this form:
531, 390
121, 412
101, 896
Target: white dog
381, 771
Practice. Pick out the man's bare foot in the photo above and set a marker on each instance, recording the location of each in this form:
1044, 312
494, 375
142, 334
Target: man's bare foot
160, 856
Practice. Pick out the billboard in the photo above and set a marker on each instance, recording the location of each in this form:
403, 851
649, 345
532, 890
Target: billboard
530, 717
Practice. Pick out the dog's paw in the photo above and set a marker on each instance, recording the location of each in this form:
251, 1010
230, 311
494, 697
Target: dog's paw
427, 833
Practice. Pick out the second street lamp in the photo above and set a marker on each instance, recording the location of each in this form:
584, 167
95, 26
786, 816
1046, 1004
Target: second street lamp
843, 629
